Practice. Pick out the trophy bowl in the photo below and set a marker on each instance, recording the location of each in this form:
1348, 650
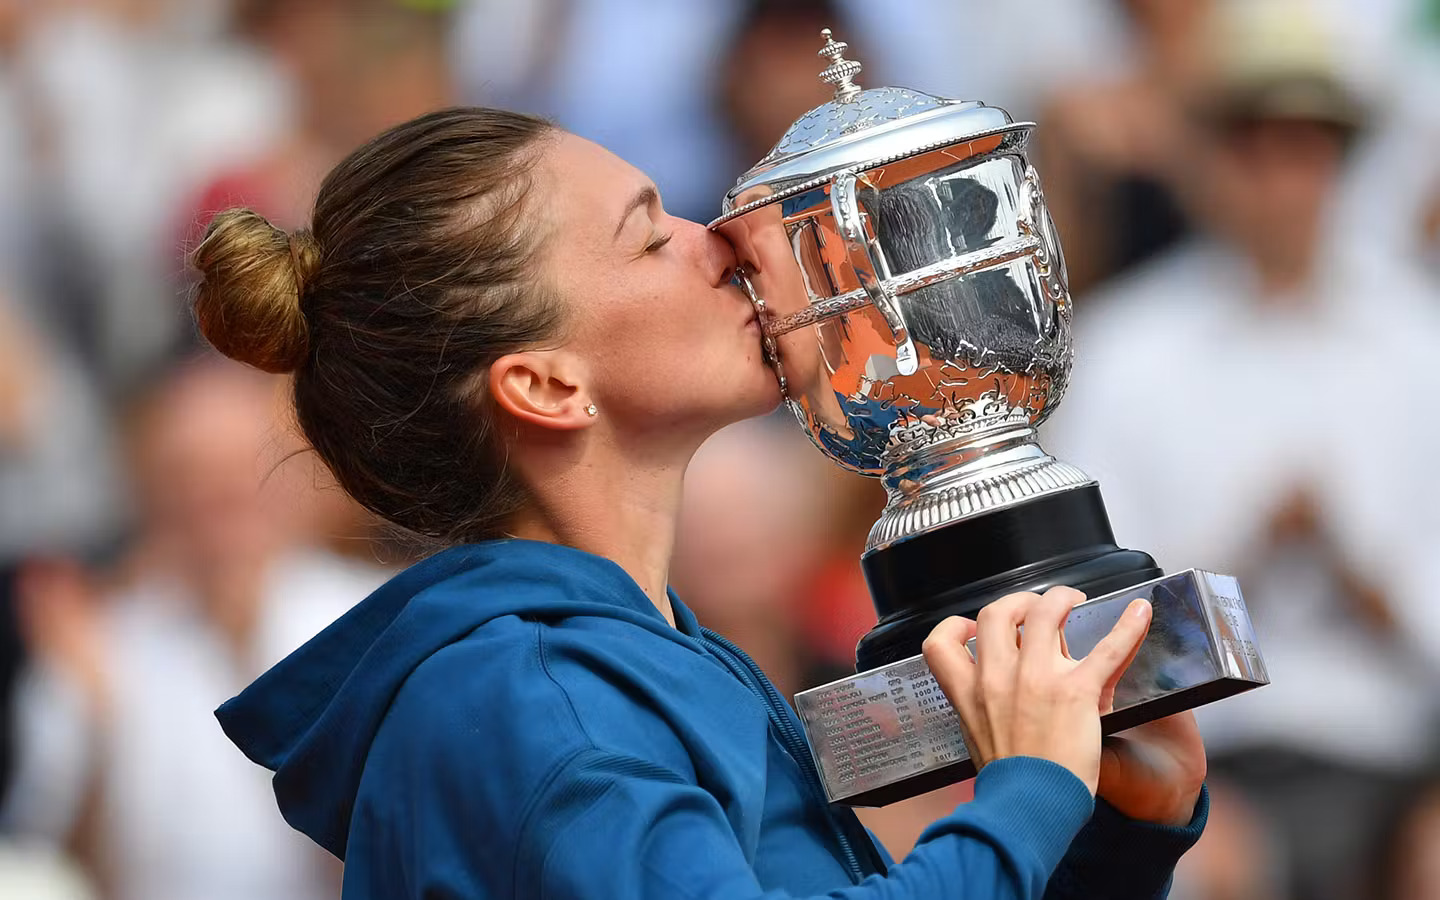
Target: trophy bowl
915, 309
912, 305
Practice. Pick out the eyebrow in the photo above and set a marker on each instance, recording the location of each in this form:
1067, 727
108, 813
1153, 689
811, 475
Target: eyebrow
646, 196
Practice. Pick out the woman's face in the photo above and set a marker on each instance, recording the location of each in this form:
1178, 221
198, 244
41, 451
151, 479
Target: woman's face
669, 346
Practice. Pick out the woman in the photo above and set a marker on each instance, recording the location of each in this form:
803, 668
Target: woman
501, 341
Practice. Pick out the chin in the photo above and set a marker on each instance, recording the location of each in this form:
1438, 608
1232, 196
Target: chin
768, 397
758, 399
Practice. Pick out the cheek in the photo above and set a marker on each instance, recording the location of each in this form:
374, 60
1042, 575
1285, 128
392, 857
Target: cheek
1303, 187
642, 343
671, 314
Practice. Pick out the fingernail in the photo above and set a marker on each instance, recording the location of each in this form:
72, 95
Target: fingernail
1140, 608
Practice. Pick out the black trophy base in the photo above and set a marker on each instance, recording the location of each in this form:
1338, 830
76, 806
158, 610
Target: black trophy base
1061, 539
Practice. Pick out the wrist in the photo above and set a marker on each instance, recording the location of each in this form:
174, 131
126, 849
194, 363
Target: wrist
1149, 850
1173, 812
1184, 811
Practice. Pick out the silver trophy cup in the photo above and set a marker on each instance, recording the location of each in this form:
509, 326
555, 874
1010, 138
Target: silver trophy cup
899, 250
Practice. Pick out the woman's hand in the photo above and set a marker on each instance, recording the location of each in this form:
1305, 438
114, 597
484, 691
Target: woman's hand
1153, 773
1029, 697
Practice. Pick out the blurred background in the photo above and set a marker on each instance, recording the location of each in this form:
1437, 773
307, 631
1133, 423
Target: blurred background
1249, 198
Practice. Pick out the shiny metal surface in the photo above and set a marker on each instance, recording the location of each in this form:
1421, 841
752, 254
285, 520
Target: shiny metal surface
857, 129
887, 725
914, 297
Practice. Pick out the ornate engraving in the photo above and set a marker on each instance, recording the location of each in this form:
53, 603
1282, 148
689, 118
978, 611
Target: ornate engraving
841, 71
934, 508
836, 119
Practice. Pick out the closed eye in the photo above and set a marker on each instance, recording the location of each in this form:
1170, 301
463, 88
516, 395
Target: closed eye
658, 243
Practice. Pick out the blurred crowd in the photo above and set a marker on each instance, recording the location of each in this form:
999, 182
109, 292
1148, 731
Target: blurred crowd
1248, 192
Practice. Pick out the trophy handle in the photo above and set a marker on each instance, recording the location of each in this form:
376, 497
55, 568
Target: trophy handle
767, 337
868, 261
1049, 259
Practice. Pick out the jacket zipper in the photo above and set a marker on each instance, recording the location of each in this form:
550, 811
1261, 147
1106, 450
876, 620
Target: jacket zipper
790, 738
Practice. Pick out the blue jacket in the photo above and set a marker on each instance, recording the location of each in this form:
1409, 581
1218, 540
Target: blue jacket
516, 719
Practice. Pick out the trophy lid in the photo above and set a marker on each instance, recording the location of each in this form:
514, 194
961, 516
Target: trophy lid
856, 130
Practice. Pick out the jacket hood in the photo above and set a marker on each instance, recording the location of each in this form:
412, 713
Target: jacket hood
312, 718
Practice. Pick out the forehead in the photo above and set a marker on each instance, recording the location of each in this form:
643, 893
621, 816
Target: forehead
587, 187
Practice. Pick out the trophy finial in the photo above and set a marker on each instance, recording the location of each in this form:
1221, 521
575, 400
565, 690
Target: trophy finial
840, 70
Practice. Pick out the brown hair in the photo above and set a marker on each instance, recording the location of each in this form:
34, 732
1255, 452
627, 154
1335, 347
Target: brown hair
416, 275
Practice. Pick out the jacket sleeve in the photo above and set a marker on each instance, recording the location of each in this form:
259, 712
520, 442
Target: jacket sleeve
1121, 859
612, 826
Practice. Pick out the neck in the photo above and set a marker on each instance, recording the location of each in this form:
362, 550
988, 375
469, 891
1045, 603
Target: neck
1282, 275
231, 592
613, 508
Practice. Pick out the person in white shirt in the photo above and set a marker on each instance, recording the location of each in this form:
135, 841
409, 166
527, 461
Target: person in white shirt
217, 589
1256, 402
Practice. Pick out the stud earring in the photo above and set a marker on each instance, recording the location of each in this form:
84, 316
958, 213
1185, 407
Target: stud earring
590, 410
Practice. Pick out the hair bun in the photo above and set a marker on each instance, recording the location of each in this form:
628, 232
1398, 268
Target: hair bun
253, 276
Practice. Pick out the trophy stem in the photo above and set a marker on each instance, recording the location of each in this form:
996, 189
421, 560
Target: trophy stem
946, 482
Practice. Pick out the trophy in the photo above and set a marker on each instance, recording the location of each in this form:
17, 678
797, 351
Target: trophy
913, 295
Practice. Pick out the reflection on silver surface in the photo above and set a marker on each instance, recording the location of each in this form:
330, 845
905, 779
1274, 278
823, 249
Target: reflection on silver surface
914, 296
894, 723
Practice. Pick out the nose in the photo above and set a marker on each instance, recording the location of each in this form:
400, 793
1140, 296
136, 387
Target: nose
720, 257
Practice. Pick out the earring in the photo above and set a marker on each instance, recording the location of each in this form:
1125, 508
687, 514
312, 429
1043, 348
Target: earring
591, 410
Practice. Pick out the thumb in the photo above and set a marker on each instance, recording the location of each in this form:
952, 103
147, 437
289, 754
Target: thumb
1104, 665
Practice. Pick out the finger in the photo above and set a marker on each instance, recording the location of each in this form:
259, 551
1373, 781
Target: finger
954, 670
1045, 624
997, 642
997, 652
949, 659
1104, 665
1107, 692
1064, 641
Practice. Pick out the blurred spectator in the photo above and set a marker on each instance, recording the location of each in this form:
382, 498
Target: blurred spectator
767, 554
632, 75
355, 68
1393, 52
768, 74
59, 492
216, 590
39, 873
58, 487
1011, 54
638, 77
1237, 858
750, 538
125, 108
837, 604
1248, 403
1406, 861
1110, 143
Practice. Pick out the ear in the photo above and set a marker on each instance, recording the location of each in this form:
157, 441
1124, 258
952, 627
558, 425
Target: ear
541, 388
